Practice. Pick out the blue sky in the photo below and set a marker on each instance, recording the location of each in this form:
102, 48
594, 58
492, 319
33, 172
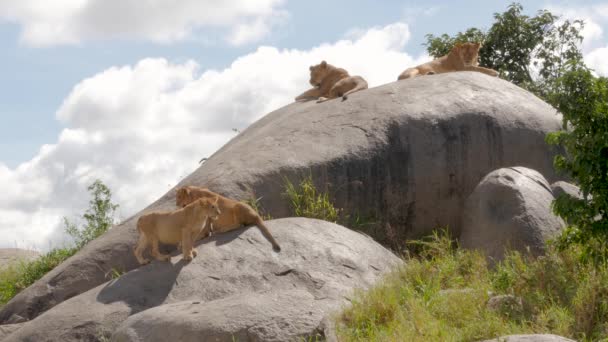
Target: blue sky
79, 75
36, 80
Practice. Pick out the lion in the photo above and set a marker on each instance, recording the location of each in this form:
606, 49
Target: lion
180, 226
234, 214
330, 82
462, 57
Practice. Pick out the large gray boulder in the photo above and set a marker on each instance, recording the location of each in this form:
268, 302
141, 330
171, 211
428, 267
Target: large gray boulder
405, 155
8, 329
271, 316
510, 208
236, 286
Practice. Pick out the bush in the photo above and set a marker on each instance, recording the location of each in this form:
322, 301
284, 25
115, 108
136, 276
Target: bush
98, 218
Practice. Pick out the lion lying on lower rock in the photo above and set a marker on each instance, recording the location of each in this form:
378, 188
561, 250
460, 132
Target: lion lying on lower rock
462, 57
174, 227
234, 214
330, 82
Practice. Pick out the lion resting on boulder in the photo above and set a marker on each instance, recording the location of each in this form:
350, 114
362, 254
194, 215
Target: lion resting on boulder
174, 227
462, 57
330, 82
233, 214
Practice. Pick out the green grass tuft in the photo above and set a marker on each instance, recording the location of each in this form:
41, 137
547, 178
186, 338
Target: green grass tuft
441, 294
306, 201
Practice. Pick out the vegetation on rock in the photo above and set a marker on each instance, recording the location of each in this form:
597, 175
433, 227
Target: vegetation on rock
307, 201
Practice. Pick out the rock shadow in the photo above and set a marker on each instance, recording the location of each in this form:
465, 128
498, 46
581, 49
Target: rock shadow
223, 238
143, 288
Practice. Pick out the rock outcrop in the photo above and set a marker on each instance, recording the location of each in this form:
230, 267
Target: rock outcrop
561, 187
406, 155
236, 286
510, 208
8, 329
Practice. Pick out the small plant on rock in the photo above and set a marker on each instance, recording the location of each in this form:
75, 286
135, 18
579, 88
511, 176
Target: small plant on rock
307, 201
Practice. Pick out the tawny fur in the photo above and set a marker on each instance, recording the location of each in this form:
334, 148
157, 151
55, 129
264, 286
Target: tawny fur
180, 226
234, 214
330, 82
462, 57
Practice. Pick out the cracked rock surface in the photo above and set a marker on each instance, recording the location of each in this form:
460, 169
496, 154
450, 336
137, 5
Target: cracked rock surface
236, 286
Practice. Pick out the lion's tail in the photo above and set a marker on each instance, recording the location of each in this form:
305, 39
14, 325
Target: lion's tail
360, 86
260, 224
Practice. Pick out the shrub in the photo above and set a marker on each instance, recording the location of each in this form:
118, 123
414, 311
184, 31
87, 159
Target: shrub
306, 201
98, 218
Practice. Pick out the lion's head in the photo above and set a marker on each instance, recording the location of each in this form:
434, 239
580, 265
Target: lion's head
183, 197
468, 52
209, 206
318, 73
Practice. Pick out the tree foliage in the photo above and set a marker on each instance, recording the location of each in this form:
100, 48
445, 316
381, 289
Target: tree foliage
98, 218
582, 98
528, 51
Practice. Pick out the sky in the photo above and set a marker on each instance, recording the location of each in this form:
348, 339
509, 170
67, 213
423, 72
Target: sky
135, 93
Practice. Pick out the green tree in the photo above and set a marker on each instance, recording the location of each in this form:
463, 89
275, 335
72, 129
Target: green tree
582, 98
528, 51
97, 219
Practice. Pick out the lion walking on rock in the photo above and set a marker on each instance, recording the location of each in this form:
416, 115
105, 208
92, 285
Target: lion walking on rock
176, 227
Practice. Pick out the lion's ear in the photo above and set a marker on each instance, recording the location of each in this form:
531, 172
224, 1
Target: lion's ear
187, 191
324, 64
217, 198
310, 68
477, 45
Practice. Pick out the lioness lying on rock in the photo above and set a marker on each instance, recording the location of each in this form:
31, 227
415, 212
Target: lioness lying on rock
174, 227
462, 57
234, 214
330, 82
